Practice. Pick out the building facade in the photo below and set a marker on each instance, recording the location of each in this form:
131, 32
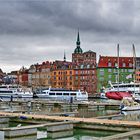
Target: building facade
108, 70
62, 75
39, 75
85, 69
137, 69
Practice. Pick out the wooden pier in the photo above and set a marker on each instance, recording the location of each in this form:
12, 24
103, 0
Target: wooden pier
89, 123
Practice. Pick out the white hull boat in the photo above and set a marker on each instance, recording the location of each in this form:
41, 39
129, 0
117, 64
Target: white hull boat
62, 94
131, 108
7, 91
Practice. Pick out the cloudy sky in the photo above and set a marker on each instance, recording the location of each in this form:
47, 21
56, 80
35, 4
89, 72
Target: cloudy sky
33, 31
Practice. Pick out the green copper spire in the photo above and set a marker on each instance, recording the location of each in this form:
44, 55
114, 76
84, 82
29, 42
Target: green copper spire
78, 49
78, 40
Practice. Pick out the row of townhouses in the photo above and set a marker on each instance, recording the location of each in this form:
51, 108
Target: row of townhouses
83, 72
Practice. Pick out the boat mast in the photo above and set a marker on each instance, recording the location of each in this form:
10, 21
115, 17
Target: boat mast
118, 66
134, 63
134, 67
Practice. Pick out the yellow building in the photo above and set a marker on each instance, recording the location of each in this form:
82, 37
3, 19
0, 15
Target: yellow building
62, 75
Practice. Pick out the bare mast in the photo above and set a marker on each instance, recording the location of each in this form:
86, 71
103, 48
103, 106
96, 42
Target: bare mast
134, 67
134, 63
118, 66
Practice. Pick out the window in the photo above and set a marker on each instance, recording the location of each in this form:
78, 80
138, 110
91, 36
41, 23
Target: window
109, 64
76, 72
58, 93
115, 70
130, 70
88, 66
116, 65
73, 94
51, 93
101, 70
124, 65
130, 64
102, 73
109, 76
109, 70
66, 94
101, 78
82, 66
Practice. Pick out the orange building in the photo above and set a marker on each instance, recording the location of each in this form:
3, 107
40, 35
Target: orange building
62, 75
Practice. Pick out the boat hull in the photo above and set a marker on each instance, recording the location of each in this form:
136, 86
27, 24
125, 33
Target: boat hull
131, 108
117, 95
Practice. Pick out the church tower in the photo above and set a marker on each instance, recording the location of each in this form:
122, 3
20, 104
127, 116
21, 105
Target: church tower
77, 56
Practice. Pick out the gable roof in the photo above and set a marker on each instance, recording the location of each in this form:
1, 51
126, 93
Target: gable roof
105, 60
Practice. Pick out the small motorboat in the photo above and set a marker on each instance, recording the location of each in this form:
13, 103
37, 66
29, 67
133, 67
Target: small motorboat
128, 104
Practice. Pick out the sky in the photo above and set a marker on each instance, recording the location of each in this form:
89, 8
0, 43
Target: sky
33, 31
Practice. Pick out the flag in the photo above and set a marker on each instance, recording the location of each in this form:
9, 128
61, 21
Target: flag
129, 76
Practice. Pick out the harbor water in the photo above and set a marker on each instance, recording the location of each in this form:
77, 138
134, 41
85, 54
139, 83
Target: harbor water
82, 112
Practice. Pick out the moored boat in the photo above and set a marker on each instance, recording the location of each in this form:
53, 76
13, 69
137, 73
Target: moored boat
128, 104
117, 95
62, 94
6, 91
131, 108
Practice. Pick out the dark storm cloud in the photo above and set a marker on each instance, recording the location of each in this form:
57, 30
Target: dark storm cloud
33, 31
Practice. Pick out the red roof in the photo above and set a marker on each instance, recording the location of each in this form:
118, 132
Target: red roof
110, 61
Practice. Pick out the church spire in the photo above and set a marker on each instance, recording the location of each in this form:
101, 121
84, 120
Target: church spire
78, 39
64, 56
78, 49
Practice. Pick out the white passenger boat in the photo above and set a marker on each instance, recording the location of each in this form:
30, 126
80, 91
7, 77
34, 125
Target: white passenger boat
62, 94
6, 91
133, 88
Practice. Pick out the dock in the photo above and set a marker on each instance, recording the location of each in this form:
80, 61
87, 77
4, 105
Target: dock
86, 123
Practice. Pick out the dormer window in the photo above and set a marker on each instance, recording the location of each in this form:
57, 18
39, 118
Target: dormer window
109, 64
116, 65
82, 66
130, 64
124, 65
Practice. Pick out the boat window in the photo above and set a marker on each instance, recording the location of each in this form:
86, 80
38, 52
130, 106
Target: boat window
73, 94
3, 87
84, 93
6, 91
51, 93
58, 93
66, 94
